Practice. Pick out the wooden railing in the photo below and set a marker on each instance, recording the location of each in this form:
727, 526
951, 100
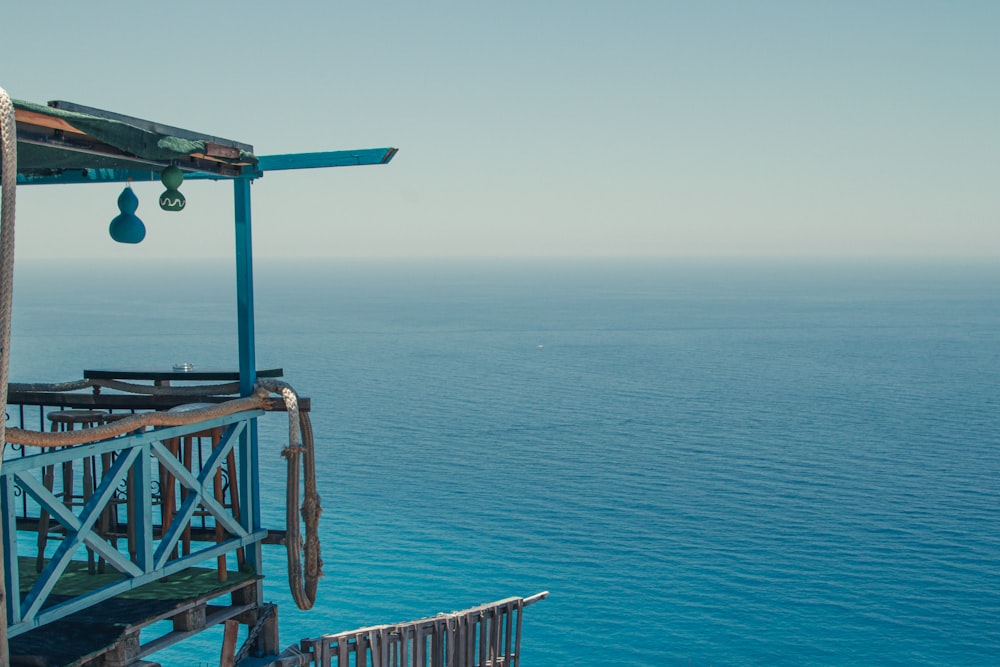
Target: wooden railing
484, 636
144, 474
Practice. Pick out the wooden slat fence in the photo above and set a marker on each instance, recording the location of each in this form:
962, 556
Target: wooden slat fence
484, 636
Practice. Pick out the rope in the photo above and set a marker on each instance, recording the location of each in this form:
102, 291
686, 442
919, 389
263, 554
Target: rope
44, 439
8, 188
300, 444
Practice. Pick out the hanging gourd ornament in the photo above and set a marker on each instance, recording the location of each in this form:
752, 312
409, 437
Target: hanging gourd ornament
126, 227
172, 199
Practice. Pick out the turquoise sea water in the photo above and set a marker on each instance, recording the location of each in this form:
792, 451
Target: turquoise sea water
706, 463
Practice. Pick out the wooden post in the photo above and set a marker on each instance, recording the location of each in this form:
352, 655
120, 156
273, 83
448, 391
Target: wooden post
228, 657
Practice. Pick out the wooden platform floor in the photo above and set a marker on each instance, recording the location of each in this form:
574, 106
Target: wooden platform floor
82, 637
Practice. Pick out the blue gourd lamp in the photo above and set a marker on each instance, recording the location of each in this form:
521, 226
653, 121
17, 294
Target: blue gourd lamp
126, 226
172, 199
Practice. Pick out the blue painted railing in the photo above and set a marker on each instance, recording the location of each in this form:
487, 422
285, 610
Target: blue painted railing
148, 458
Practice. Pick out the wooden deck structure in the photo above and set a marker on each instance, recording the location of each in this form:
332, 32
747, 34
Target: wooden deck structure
176, 538
149, 535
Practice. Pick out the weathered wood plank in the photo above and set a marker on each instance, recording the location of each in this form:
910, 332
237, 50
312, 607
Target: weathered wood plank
227, 657
485, 635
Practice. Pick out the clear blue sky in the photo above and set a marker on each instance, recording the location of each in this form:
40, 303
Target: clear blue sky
857, 128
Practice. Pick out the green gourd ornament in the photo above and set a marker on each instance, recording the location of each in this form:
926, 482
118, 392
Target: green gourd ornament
172, 199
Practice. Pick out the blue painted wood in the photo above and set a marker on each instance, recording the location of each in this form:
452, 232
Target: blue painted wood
244, 287
54, 569
161, 553
200, 492
12, 578
207, 481
47, 500
138, 453
55, 612
142, 484
350, 158
79, 530
110, 481
248, 362
247, 461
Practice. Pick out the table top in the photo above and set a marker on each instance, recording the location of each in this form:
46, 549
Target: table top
161, 374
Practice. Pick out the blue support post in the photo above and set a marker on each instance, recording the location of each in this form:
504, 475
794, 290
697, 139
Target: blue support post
142, 486
11, 572
250, 488
244, 287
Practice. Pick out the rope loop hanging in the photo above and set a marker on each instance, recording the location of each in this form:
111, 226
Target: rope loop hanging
303, 585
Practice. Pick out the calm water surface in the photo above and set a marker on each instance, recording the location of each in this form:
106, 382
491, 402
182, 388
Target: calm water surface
713, 463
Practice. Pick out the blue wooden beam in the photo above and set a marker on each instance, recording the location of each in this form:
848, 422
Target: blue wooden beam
199, 492
244, 287
142, 485
73, 605
248, 364
351, 158
12, 571
326, 159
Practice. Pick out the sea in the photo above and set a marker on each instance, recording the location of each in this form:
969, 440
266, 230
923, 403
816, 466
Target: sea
703, 461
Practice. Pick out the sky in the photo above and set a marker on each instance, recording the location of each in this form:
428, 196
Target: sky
848, 128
